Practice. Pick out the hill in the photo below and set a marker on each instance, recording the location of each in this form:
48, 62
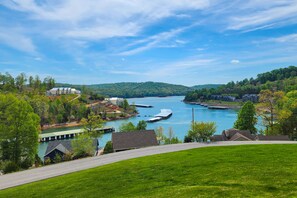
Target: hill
229, 171
141, 89
132, 89
283, 79
206, 86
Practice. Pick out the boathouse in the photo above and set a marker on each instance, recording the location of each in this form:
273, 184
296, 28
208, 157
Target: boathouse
122, 141
62, 148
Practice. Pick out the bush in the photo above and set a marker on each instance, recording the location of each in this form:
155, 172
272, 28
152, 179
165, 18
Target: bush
108, 148
47, 161
10, 167
27, 163
38, 161
67, 157
57, 158
188, 139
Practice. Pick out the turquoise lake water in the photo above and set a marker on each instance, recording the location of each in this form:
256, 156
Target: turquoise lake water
179, 121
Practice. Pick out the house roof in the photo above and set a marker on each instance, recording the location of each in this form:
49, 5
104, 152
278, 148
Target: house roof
216, 138
240, 137
63, 145
231, 132
273, 137
132, 140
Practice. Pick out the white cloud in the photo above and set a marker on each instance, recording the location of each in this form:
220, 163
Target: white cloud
234, 61
257, 14
155, 41
287, 38
88, 19
14, 38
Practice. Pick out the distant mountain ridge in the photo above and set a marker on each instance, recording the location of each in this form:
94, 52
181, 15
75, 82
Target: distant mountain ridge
206, 86
141, 89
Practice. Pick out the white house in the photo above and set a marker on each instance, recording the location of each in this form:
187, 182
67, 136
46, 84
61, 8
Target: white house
62, 91
115, 100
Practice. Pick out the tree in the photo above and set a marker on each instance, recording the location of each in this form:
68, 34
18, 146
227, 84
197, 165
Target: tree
19, 128
268, 107
141, 125
287, 116
160, 135
246, 118
127, 127
92, 124
83, 146
108, 148
171, 139
201, 131
20, 81
125, 104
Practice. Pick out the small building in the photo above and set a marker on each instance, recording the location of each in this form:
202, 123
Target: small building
61, 148
245, 135
115, 101
62, 91
122, 141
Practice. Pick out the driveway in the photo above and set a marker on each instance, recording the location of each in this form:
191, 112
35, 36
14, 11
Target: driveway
36, 174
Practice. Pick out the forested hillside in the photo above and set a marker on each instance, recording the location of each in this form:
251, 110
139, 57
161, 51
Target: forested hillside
142, 89
284, 79
206, 86
132, 89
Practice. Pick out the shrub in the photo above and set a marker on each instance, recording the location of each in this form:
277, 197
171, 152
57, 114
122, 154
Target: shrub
27, 163
67, 157
38, 161
10, 167
57, 158
47, 161
108, 148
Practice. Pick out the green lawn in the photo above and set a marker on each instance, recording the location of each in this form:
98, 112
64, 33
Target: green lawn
238, 171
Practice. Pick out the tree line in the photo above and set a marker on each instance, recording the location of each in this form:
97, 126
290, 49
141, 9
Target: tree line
23, 84
284, 79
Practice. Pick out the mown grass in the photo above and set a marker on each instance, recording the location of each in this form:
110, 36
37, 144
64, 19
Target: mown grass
233, 171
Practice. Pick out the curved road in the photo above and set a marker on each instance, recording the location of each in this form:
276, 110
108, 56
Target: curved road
36, 174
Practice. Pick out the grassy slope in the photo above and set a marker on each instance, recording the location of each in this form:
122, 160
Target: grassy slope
239, 171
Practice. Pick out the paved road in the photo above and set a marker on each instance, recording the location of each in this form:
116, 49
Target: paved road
28, 176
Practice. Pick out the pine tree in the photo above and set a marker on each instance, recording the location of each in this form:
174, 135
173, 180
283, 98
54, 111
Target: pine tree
246, 118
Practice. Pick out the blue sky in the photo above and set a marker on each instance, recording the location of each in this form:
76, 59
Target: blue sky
185, 42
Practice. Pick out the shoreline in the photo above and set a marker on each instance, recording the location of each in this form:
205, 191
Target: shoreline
78, 124
215, 104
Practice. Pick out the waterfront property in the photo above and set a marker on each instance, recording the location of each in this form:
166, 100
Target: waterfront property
245, 135
115, 100
122, 141
142, 105
60, 135
62, 148
62, 91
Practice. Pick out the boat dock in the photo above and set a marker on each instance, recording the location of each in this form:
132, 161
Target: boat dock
60, 135
218, 107
142, 105
164, 114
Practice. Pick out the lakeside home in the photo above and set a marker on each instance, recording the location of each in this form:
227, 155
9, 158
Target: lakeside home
62, 91
245, 135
